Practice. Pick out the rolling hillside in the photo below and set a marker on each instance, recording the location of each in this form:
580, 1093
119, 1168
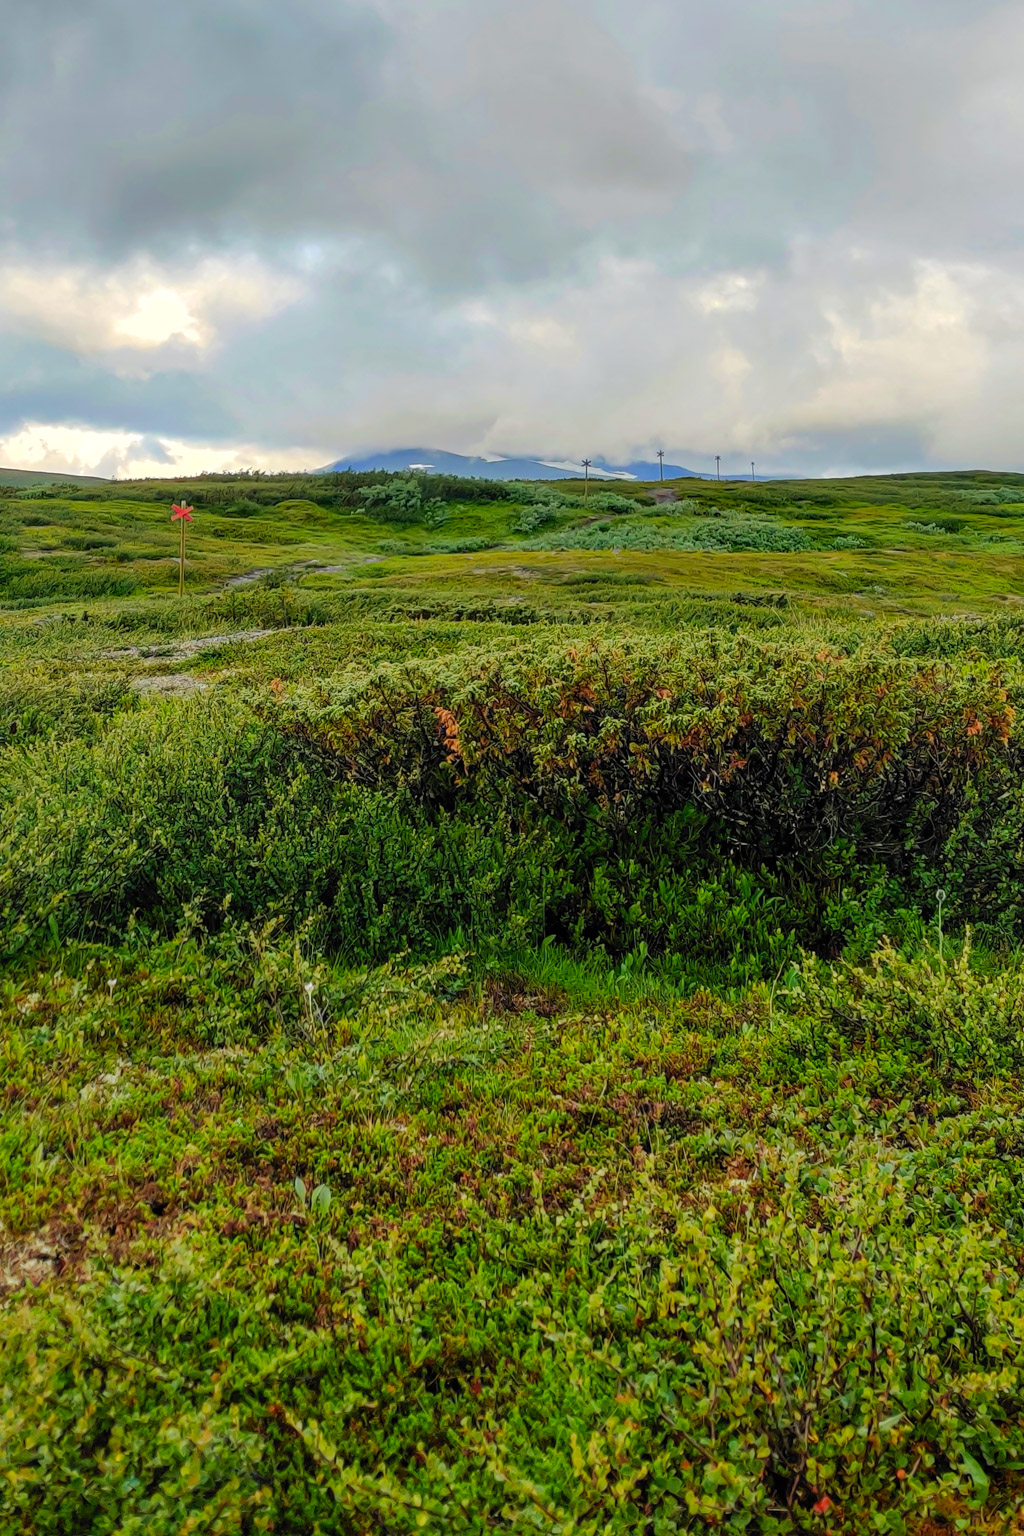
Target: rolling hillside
29, 477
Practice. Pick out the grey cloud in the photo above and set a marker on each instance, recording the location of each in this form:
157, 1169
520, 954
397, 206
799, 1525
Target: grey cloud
558, 100
45, 384
484, 137
152, 448
409, 159
134, 124
883, 448
492, 139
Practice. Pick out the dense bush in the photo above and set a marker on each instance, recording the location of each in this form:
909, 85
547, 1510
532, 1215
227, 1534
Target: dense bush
939, 525
608, 501
628, 772
793, 750
401, 501
726, 799
930, 1022
44, 701
202, 804
245, 506
733, 533
541, 494
813, 769
533, 518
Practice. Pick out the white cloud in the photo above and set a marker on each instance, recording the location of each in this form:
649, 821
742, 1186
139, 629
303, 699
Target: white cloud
160, 315
728, 292
124, 455
916, 352
141, 305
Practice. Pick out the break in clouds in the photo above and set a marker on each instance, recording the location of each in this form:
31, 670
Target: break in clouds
239, 232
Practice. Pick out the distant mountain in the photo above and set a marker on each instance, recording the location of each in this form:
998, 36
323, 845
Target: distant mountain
642, 469
436, 461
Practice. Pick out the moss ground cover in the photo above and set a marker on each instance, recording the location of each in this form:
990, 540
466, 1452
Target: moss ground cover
522, 1039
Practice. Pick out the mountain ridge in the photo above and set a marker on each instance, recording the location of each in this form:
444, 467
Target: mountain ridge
441, 462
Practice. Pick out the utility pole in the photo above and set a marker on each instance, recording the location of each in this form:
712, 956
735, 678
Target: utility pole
752, 472
718, 466
586, 480
661, 463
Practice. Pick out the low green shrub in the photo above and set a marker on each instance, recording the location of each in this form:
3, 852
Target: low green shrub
707, 534
200, 804
35, 581
831, 1349
533, 518
43, 700
931, 1018
608, 501
245, 506
541, 494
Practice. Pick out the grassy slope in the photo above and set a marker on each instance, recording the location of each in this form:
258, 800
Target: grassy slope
591, 1252
31, 477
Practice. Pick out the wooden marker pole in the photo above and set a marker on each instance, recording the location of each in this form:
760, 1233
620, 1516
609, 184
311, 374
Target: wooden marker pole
181, 515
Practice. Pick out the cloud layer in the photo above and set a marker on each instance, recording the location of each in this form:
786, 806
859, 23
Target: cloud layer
235, 231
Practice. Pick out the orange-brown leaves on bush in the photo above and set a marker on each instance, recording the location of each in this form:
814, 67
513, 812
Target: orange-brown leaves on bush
764, 737
450, 732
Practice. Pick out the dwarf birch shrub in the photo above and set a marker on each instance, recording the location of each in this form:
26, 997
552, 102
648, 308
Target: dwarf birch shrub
200, 803
940, 1017
733, 533
788, 750
611, 795
785, 1369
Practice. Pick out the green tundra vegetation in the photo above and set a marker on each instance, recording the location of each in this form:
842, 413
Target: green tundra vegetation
512, 1007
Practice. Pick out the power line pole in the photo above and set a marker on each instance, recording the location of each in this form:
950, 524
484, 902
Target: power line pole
752, 472
718, 466
661, 463
586, 480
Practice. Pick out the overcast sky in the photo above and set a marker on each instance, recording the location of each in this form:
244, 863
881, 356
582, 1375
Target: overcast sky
278, 231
